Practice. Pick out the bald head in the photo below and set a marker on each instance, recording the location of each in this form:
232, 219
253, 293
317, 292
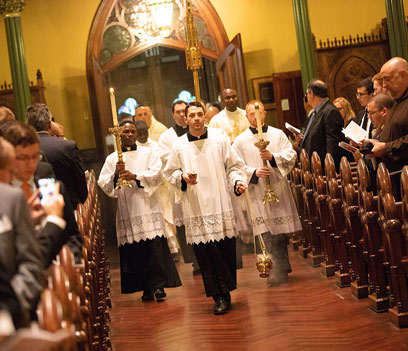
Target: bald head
394, 74
6, 114
7, 161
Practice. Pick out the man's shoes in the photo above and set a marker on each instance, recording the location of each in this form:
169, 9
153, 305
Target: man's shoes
147, 296
159, 294
221, 306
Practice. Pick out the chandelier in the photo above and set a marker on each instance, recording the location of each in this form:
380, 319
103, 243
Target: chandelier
153, 16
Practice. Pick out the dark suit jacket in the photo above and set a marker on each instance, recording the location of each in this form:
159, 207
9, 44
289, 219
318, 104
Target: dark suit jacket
8, 298
71, 234
324, 134
64, 157
20, 253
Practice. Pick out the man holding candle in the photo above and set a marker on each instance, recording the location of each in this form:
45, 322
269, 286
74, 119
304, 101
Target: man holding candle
145, 260
274, 221
204, 171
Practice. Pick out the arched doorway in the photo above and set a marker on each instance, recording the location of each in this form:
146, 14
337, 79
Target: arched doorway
116, 37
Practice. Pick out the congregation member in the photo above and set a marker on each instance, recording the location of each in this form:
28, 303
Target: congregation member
346, 111
145, 260
323, 132
378, 109
204, 170
166, 142
274, 221
378, 84
156, 128
62, 154
231, 119
6, 114
29, 169
392, 144
365, 90
24, 256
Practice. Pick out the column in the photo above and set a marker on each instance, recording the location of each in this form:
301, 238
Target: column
304, 39
11, 11
397, 28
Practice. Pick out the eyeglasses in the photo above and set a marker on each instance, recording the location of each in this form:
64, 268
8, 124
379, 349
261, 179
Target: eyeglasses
25, 158
361, 94
372, 112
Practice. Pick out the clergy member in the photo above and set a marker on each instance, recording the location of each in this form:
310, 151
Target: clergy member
166, 142
232, 119
145, 260
274, 221
156, 128
205, 172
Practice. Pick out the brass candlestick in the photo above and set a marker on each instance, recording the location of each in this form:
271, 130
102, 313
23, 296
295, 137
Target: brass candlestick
269, 195
194, 59
117, 131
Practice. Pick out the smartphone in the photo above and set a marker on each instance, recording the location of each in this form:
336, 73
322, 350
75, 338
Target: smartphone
46, 187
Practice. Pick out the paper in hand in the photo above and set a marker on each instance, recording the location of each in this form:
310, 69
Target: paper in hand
355, 133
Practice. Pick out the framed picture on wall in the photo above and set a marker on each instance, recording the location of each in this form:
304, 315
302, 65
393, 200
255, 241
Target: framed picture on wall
263, 91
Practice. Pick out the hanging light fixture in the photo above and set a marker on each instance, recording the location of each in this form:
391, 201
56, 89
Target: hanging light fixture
161, 12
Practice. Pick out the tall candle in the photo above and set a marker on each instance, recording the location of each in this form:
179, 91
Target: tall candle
113, 106
258, 122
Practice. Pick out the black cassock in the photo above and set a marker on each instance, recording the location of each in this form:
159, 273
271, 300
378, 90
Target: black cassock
147, 265
217, 261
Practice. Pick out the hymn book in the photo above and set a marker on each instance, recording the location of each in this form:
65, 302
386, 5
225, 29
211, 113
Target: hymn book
292, 128
355, 133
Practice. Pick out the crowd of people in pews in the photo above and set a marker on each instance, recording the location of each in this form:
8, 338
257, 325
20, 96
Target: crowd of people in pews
42, 179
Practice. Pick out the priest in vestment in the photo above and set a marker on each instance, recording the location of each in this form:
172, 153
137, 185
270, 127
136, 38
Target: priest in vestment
156, 128
231, 119
274, 221
206, 172
145, 260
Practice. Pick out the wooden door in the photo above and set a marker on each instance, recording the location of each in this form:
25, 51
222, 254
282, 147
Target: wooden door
231, 70
288, 93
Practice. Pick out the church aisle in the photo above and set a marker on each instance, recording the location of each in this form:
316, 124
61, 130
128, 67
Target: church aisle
308, 313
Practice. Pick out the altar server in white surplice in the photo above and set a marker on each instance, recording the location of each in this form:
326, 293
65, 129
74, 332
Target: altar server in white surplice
145, 260
206, 172
273, 220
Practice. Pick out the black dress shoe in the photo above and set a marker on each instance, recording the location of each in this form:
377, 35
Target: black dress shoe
148, 296
221, 306
159, 294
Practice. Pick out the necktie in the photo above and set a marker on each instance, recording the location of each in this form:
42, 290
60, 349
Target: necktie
365, 120
27, 190
308, 126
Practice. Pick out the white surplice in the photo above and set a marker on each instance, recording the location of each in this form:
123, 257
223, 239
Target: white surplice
276, 218
156, 129
233, 123
139, 215
207, 208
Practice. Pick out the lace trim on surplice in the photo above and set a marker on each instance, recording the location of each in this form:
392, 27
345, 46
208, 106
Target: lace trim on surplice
136, 228
202, 229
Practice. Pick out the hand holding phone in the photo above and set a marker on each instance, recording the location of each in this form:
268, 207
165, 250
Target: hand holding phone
46, 187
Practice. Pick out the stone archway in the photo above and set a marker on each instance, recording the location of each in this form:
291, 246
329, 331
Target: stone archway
114, 38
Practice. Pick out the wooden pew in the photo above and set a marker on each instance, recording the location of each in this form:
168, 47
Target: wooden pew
373, 242
359, 276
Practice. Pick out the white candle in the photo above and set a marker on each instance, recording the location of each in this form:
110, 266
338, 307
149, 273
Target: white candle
113, 106
258, 122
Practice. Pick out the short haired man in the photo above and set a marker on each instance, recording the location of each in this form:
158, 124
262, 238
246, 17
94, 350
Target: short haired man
62, 154
145, 260
29, 170
156, 128
212, 109
274, 222
231, 119
392, 144
21, 258
323, 131
203, 160
365, 91
166, 142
